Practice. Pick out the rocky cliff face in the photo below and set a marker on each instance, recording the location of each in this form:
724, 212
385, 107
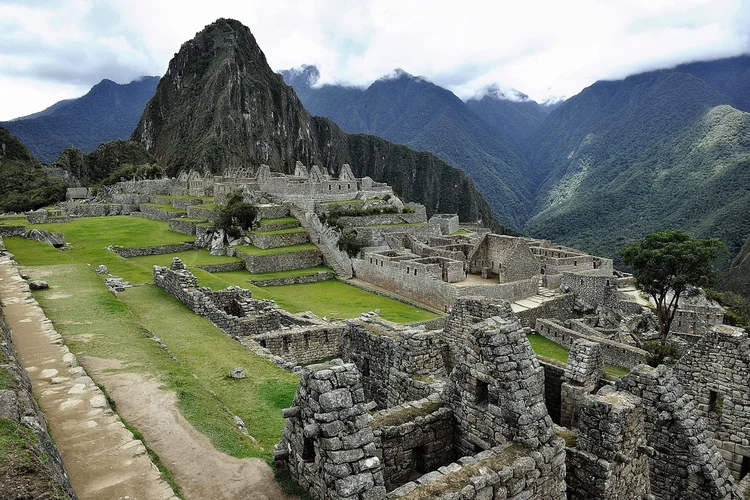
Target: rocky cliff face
221, 106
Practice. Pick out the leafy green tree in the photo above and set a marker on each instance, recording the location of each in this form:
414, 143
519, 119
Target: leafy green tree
236, 216
666, 264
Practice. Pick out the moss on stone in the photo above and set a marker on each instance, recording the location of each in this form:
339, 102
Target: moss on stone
404, 415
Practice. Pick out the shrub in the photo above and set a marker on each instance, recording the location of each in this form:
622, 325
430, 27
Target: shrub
236, 216
660, 352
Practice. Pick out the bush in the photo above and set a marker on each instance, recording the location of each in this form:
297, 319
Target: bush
660, 352
349, 244
236, 217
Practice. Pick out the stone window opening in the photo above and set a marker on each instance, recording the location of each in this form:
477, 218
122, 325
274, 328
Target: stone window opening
581, 282
715, 401
306, 338
365, 367
285, 344
308, 450
381, 263
419, 461
745, 468
407, 269
607, 282
339, 187
329, 187
263, 342
482, 393
575, 262
415, 271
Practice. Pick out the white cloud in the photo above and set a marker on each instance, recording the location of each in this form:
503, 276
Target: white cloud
540, 47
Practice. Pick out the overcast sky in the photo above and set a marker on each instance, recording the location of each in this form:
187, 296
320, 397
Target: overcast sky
52, 50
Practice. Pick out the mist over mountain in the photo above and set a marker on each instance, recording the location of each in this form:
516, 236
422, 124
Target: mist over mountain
221, 106
413, 111
657, 150
108, 111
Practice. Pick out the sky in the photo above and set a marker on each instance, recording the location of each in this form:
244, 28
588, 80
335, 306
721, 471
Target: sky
53, 49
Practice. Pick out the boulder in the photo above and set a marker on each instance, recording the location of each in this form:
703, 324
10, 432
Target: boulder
57, 240
38, 285
237, 373
102, 269
216, 245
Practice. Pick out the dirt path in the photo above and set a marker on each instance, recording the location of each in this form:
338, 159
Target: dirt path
102, 458
201, 471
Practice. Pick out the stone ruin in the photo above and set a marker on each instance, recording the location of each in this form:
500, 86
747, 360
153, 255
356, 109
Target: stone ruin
477, 424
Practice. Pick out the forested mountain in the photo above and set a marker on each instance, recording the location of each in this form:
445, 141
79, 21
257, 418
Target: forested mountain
25, 185
220, 106
92, 168
658, 150
108, 111
515, 118
412, 111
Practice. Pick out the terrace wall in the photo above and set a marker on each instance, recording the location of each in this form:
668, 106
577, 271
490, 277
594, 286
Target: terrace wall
613, 353
281, 261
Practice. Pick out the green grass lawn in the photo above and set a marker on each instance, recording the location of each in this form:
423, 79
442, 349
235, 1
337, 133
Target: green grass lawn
292, 273
206, 206
89, 238
95, 323
166, 208
191, 258
342, 202
545, 347
395, 225
281, 231
253, 250
280, 220
332, 298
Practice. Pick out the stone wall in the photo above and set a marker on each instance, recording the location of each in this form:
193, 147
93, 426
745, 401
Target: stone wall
277, 240
449, 223
305, 345
496, 389
233, 310
198, 212
18, 406
155, 250
310, 278
509, 471
684, 461
9, 231
97, 209
327, 445
554, 373
158, 213
609, 449
223, 268
413, 438
372, 220
464, 316
592, 290
281, 261
613, 353
716, 372
371, 349
184, 226
507, 256
582, 373
559, 308
376, 235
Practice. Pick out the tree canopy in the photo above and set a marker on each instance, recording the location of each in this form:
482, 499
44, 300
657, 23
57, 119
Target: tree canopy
667, 264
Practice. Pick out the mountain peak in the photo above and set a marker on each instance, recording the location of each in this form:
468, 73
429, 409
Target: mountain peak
400, 74
302, 76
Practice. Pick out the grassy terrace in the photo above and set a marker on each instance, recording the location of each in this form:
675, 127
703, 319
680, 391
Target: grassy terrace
461, 232
253, 250
187, 197
95, 323
166, 208
281, 231
206, 206
344, 202
332, 299
545, 347
292, 273
191, 219
280, 220
191, 258
393, 225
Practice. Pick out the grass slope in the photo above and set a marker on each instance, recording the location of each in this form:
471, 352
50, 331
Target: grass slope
94, 322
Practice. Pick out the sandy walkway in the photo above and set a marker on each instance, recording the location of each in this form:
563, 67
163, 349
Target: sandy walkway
102, 458
201, 471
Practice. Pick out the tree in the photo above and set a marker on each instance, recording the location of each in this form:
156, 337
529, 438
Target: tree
667, 264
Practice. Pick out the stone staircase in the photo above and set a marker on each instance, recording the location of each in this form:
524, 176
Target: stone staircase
333, 257
543, 295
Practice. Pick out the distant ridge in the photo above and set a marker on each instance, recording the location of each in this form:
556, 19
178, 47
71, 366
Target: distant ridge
107, 112
221, 106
